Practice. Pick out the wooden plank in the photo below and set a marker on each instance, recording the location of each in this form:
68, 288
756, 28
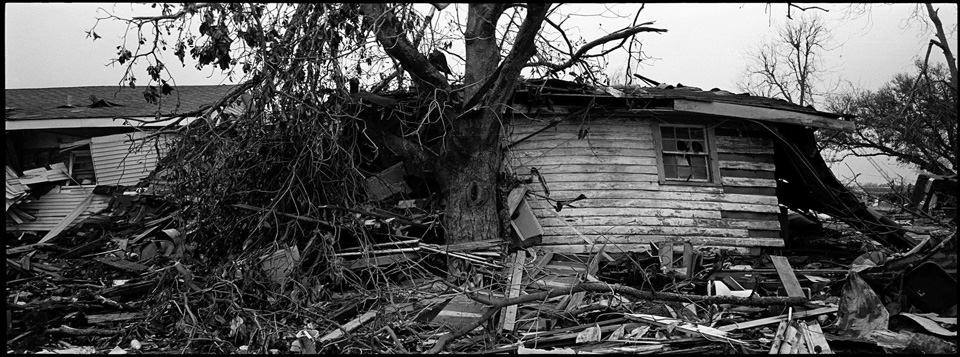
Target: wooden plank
623, 150
685, 327
535, 143
349, 326
778, 338
114, 317
634, 247
744, 145
748, 182
630, 212
587, 168
509, 316
637, 239
770, 175
760, 113
753, 216
513, 199
664, 195
745, 165
585, 159
761, 191
765, 158
786, 276
631, 230
67, 220
790, 337
590, 177
606, 127
625, 186
659, 221
688, 263
763, 233
674, 204
122, 264
816, 343
582, 237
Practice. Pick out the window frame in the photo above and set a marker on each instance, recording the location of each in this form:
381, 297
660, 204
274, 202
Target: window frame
713, 167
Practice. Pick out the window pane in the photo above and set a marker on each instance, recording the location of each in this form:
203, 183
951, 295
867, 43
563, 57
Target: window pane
698, 161
700, 173
683, 145
696, 134
667, 132
683, 172
669, 171
697, 146
669, 145
683, 133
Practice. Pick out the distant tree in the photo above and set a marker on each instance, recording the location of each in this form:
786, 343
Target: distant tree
298, 61
913, 119
789, 66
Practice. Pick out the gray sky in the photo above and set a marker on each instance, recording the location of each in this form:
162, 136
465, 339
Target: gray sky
46, 46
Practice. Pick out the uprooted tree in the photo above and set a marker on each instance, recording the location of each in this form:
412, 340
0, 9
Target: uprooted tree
301, 146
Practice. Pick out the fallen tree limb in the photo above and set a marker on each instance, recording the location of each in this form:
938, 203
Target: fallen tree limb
67, 330
497, 304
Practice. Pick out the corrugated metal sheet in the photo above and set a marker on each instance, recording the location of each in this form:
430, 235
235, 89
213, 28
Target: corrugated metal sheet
55, 206
15, 190
118, 160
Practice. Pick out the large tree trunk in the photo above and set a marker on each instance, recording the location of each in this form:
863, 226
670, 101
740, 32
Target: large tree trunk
469, 173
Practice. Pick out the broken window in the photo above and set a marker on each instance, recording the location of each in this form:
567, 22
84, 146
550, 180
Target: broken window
685, 154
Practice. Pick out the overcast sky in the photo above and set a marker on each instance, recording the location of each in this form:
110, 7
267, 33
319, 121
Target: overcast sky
705, 46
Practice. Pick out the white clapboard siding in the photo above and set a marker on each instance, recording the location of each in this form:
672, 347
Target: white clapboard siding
116, 162
54, 206
614, 165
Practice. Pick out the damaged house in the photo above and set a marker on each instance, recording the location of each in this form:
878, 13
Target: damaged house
61, 143
626, 167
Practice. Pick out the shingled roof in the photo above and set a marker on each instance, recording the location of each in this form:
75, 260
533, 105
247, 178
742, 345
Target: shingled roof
104, 102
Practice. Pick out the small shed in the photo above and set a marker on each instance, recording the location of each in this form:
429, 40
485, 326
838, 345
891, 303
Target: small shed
670, 164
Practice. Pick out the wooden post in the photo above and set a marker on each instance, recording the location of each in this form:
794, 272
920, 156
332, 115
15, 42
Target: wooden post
688, 261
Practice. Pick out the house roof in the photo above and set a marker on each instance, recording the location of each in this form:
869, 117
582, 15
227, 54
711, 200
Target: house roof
79, 103
693, 99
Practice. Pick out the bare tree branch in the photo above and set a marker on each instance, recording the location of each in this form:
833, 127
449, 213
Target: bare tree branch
621, 34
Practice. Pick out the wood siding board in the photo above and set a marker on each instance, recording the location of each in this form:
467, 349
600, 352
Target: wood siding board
746, 165
763, 233
749, 182
671, 204
769, 175
115, 163
590, 177
632, 212
765, 191
625, 150
765, 158
746, 145
633, 247
53, 207
663, 195
614, 240
624, 186
592, 168
631, 230
749, 216
586, 160
661, 221
536, 144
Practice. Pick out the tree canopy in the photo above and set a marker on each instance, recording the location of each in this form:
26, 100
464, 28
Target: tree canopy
912, 118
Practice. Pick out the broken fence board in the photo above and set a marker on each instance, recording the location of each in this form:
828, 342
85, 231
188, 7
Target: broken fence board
516, 277
349, 326
774, 319
789, 279
816, 342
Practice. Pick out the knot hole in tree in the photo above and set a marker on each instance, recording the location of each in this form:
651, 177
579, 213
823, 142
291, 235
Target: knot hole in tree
475, 194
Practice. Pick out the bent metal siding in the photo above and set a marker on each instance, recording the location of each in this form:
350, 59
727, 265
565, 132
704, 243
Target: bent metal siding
614, 165
119, 160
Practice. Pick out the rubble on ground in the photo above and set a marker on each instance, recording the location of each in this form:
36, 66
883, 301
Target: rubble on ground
128, 280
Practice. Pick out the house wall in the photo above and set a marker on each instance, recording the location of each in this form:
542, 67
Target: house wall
614, 165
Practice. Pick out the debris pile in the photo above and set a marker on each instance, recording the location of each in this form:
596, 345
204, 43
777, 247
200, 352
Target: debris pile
128, 279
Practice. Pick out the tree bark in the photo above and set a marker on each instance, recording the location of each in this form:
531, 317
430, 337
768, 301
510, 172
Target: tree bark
944, 45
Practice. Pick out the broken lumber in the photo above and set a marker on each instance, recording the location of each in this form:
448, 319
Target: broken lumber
787, 276
774, 319
516, 277
349, 326
685, 327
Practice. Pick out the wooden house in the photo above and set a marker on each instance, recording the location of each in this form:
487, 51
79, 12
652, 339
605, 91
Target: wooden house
668, 164
63, 142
